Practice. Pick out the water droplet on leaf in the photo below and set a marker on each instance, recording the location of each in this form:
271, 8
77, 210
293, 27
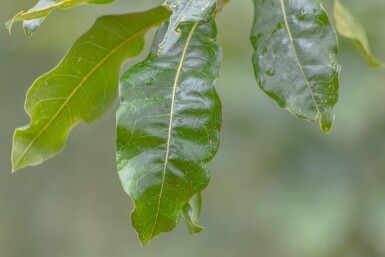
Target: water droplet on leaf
270, 72
301, 15
254, 39
150, 81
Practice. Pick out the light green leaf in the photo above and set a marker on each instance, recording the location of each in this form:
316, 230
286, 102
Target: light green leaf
192, 212
295, 57
33, 18
82, 87
184, 11
350, 27
168, 125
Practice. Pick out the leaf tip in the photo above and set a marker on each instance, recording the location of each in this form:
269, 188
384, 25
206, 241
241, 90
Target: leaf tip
18, 159
28, 32
143, 240
8, 25
326, 124
195, 230
16, 164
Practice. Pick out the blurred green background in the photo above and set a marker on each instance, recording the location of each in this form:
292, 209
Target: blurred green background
279, 186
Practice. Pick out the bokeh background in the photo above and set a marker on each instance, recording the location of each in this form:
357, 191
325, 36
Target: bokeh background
279, 186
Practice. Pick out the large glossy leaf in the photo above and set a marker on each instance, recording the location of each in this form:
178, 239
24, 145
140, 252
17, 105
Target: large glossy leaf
169, 120
82, 86
350, 27
184, 11
33, 18
295, 57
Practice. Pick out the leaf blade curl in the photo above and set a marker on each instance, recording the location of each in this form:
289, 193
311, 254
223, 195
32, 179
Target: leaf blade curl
34, 17
83, 85
295, 57
168, 125
191, 212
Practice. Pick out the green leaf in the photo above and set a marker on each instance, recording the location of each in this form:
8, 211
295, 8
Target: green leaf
36, 15
191, 212
185, 11
350, 27
168, 125
295, 57
82, 87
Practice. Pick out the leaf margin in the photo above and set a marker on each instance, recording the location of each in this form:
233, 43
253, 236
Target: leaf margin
17, 163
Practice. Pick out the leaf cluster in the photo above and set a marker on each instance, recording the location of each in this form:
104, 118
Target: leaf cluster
169, 113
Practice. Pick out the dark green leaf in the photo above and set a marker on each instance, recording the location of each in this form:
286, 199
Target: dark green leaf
350, 27
169, 120
82, 87
295, 57
185, 11
36, 15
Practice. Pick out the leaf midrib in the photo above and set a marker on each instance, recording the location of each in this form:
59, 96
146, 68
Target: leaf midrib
92, 71
177, 76
297, 58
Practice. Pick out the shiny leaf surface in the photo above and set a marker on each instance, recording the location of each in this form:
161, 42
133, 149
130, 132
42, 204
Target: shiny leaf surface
168, 125
349, 26
33, 18
82, 87
295, 57
184, 11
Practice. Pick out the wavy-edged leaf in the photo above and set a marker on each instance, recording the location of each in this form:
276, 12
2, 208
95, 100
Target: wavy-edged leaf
349, 26
33, 18
168, 125
295, 57
184, 11
82, 86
